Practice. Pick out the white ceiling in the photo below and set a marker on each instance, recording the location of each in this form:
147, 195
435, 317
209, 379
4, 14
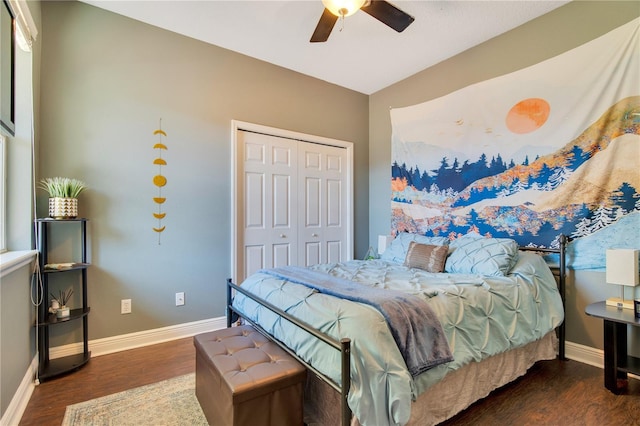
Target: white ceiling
364, 56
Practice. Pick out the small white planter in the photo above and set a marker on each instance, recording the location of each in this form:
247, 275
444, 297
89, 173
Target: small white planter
63, 208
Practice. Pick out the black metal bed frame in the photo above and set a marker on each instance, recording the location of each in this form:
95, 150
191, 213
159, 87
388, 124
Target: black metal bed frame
560, 273
344, 345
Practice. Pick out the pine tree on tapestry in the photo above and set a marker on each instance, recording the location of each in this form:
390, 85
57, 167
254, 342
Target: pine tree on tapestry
625, 197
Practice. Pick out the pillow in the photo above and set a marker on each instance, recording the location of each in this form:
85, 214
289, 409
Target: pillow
426, 256
464, 239
483, 256
397, 250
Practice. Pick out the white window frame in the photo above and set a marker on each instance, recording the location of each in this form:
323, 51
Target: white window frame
3, 192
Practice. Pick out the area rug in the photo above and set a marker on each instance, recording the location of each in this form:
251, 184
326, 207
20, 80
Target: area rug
170, 402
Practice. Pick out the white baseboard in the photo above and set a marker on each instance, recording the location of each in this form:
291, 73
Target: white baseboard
139, 339
18, 404
587, 355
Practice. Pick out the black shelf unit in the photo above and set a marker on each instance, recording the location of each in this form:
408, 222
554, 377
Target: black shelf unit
49, 368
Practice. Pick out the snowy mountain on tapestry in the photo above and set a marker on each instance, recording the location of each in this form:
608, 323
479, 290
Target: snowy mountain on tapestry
551, 149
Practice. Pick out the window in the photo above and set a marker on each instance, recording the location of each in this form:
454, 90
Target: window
7, 69
17, 34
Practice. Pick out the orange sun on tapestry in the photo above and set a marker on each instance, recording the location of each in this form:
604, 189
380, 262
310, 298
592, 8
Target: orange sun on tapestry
527, 115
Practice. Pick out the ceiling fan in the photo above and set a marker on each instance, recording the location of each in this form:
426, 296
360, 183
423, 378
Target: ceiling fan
382, 10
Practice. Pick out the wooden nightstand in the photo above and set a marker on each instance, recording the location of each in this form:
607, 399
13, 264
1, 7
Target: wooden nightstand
617, 363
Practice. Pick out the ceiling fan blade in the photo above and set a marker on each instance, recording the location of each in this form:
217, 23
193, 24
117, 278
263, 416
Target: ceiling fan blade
388, 14
324, 27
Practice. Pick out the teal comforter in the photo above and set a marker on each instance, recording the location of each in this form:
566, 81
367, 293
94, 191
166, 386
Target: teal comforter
481, 316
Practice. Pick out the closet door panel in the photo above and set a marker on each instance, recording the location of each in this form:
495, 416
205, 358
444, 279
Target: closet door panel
281, 254
312, 253
281, 202
312, 203
334, 251
269, 215
323, 216
254, 259
334, 203
254, 213
292, 203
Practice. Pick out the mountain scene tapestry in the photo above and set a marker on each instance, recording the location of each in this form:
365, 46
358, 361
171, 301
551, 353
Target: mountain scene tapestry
547, 150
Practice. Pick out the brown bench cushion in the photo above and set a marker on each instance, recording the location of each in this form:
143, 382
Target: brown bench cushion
242, 374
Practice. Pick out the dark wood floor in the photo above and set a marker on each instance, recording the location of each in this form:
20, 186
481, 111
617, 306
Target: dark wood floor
556, 393
109, 374
552, 393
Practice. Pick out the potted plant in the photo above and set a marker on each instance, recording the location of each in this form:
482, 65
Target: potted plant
63, 196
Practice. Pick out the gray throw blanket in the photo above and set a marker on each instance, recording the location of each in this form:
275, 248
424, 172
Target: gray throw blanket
413, 324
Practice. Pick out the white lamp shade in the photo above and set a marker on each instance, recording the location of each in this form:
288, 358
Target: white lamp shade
383, 242
622, 267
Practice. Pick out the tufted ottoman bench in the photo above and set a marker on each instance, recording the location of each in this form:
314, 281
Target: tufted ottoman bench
242, 379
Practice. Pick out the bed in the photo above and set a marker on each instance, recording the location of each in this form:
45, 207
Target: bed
498, 307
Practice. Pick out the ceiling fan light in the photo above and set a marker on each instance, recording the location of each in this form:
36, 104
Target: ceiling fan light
342, 8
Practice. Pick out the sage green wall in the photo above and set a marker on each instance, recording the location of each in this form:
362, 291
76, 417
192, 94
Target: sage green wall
17, 313
106, 82
16, 332
554, 33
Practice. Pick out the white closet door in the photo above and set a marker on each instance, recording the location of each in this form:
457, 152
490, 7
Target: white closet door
269, 236
322, 198
292, 199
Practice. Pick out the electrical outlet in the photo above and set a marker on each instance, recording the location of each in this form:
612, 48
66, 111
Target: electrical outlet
125, 306
180, 299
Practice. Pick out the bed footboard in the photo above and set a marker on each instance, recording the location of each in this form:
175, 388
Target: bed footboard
343, 346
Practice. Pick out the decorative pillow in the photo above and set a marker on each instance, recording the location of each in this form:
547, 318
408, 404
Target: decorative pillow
483, 256
397, 250
426, 256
